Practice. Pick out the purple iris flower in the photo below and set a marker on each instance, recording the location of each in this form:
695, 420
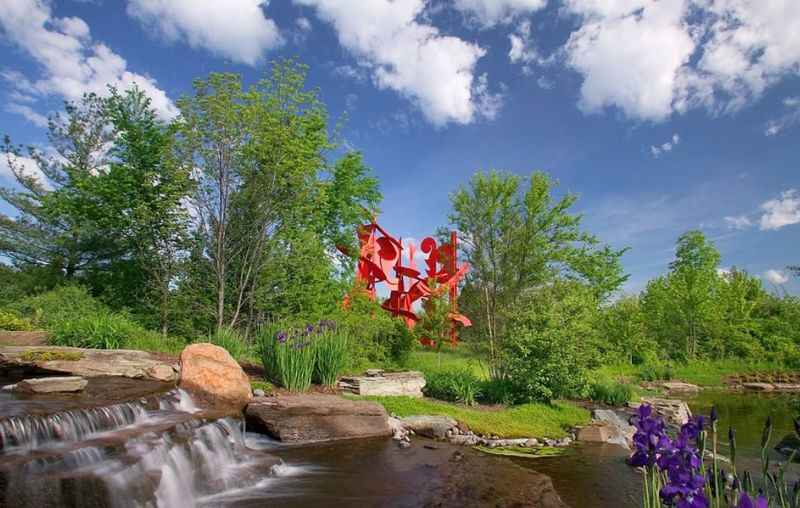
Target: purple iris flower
745, 501
281, 337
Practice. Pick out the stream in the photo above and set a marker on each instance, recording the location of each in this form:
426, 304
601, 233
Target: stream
118, 447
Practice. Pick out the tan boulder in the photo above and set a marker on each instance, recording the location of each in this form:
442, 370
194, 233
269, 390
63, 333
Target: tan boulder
211, 374
51, 385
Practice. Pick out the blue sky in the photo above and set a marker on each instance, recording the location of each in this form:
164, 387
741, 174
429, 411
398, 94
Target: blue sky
663, 115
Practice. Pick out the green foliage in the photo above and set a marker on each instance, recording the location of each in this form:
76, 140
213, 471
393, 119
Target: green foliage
611, 392
288, 356
12, 322
374, 332
526, 420
551, 336
434, 323
453, 385
331, 356
266, 386
399, 343
48, 309
517, 239
623, 328
654, 370
230, 340
100, 331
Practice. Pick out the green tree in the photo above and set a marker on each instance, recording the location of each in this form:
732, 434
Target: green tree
624, 333
48, 229
517, 241
682, 306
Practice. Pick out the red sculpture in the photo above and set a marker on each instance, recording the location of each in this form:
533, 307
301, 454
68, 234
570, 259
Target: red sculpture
381, 260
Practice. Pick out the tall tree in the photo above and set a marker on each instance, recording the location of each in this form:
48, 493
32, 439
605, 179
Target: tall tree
47, 229
518, 240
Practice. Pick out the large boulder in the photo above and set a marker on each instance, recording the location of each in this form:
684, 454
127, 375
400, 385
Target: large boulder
607, 427
89, 362
435, 427
313, 418
679, 387
675, 412
51, 385
211, 374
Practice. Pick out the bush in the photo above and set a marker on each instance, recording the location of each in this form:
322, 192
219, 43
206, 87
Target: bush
497, 391
399, 342
229, 339
611, 392
331, 356
13, 323
653, 371
453, 385
100, 331
548, 344
49, 309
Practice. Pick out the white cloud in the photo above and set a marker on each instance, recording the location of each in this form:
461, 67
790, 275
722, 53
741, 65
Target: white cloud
781, 212
27, 166
234, 29
435, 71
488, 13
738, 222
545, 83
71, 62
665, 147
790, 118
654, 58
523, 49
32, 116
776, 277
351, 72
303, 24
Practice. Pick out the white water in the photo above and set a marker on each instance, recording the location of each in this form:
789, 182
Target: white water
127, 456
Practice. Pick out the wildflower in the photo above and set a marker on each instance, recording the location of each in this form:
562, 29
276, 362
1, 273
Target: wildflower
745, 501
281, 337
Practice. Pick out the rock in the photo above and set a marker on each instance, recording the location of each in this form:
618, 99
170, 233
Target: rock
408, 384
399, 432
789, 444
312, 418
679, 387
89, 362
258, 392
758, 387
565, 441
463, 440
8, 388
675, 412
404, 444
787, 387
616, 430
374, 372
211, 373
429, 426
531, 443
52, 385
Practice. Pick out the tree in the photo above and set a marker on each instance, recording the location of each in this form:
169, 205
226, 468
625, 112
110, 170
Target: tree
48, 229
622, 325
682, 305
516, 242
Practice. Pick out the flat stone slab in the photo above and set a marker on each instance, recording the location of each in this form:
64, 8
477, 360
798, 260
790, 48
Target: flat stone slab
90, 362
313, 418
385, 384
758, 387
675, 412
787, 387
51, 385
680, 387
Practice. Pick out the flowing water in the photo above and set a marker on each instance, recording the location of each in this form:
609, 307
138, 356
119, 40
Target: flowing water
160, 450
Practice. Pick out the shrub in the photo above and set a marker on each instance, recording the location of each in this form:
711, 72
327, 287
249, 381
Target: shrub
331, 356
13, 323
230, 340
453, 385
497, 391
548, 345
399, 342
612, 393
100, 331
653, 371
62, 303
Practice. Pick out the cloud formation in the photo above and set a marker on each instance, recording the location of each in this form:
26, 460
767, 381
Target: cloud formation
71, 62
234, 29
404, 54
781, 212
776, 277
665, 147
488, 13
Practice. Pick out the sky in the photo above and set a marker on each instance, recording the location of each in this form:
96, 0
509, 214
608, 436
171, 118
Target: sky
661, 115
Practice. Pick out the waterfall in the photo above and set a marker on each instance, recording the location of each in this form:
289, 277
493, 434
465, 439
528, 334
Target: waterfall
126, 456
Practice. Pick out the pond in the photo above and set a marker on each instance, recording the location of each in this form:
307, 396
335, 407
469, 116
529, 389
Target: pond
596, 476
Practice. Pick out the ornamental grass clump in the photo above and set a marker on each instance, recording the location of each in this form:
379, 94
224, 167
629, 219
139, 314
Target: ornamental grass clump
293, 357
676, 474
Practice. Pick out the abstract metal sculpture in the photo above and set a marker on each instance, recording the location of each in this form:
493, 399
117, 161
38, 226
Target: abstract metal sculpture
381, 261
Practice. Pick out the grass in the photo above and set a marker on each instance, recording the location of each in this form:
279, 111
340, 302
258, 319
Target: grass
448, 359
262, 385
50, 356
526, 420
699, 372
